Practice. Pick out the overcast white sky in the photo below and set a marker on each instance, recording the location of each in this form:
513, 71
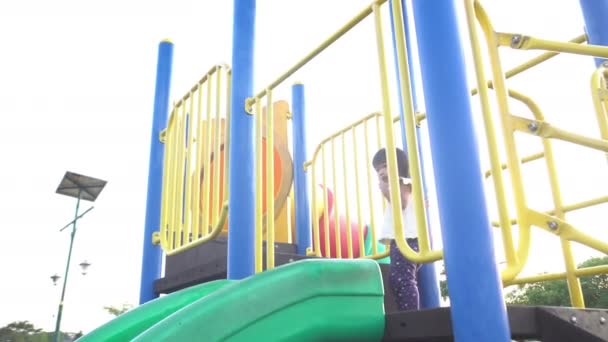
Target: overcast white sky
77, 84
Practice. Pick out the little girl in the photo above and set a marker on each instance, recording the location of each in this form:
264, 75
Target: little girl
403, 273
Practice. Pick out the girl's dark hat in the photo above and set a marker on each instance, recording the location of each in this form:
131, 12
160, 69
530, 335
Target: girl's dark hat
379, 160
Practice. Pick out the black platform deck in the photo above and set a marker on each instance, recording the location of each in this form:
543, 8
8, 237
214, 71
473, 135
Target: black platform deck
555, 324
530, 323
208, 262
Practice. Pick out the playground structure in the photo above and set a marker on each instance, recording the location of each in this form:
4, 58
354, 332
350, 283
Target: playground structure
214, 211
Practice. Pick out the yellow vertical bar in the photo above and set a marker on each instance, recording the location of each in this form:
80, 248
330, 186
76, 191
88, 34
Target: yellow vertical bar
259, 223
358, 193
227, 134
349, 238
410, 128
166, 208
379, 145
174, 180
391, 157
172, 184
188, 174
181, 143
508, 131
491, 140
372, 224
269, 182
196, 229
602, 118
289, 216
378, 133
338, 241
325, 204
574, 284
315, 214
602, 114
207, 160
598, 85
217, 142
164, 201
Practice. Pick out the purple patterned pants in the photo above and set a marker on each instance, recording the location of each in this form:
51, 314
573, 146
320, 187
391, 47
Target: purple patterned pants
403, 277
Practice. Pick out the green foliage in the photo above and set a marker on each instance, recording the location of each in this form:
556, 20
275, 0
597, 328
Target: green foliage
555, 292
23, 327
443, 284
117, 311
23, 331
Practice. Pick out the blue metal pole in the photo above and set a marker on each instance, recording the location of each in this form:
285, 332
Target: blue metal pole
151, 258
477, 306
595, 13
302, 205
241, 214
428, 285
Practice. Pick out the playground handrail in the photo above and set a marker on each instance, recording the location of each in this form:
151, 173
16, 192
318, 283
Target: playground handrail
525, 42
266, 92
599, 95
270, 214
403, 78
310, 164
192, 141
425, 254
181, 215
526, 216
316, 51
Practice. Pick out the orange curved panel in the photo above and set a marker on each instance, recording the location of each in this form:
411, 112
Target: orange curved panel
283, 177
278, 178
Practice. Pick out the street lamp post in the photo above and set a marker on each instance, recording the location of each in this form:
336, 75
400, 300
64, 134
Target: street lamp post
83, 188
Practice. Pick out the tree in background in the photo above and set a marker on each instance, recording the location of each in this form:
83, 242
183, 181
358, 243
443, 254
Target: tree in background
555, 292
117, 311
22, 331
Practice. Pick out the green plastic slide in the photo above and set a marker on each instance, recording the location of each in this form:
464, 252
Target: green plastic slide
132, 323
309, 300
380, 247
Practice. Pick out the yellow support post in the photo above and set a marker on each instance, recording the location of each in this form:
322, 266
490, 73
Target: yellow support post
509, 139
217, 142
370, 196
358, 194
391, 158
269, 182
349, 237
523, 42
259, 223
337, 237
491, 139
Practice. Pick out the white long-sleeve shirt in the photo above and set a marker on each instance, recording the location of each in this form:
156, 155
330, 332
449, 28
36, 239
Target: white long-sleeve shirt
387, 230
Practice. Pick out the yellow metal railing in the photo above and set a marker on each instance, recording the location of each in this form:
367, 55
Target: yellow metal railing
425, 254
347, 191
195, 181
553, 221
315, 52
252, 106
273, 164
599, 95
195, 185
268, 218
